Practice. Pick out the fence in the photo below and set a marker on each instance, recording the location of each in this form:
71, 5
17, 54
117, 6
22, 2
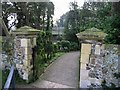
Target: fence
10, 79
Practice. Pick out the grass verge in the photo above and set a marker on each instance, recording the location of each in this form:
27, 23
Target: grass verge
54, 58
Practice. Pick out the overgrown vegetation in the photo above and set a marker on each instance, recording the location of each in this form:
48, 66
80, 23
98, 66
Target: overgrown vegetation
66, 46
38, 15
46, 52
101, 15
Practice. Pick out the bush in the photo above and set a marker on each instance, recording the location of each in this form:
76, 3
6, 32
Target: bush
44, 52
55, 47
65, 45
74, 46
59, 45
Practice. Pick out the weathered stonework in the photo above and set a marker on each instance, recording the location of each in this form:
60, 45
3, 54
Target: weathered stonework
24, 42
98, 61
110, 64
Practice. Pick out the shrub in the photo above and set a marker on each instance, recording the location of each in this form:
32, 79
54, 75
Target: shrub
73, 46
65, 45
58, 45
44, 52
55, 47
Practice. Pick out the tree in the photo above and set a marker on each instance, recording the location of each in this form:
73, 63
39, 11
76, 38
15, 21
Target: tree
33, 14
38, 15
72, 23
113, 32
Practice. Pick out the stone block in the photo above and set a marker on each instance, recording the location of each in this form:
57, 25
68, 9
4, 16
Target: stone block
28, 51
22, 50
97, 49
26, 63
25, 76
29, 57
25, 57
84, 58
84, 74
84, 84
28, 69
92, 80
83, 66
24, 43
29, 42
93, 60
19, 66
86, 48
34, 41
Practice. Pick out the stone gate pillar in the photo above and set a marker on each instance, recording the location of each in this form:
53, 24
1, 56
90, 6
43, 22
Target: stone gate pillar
91, 48
24, 42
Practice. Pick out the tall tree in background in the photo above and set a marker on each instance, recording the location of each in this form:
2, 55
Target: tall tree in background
113, 31
34, 14
38, 15
72, 23
102, 15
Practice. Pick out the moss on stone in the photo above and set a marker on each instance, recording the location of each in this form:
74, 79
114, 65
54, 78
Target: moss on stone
25, 30
92, 34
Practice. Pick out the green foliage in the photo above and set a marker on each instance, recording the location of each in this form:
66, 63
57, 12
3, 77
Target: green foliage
59, 45
102, 15
5, 74
45, 51
65, 45
18, 80
38, 15
113, 32
72, 23
7, 48
34, 14
55, 48
74, 46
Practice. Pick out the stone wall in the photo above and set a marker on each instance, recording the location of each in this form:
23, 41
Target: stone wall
23, 53
98, 62
110, 64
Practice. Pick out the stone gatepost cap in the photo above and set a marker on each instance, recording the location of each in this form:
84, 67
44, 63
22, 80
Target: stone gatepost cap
91, 34
25, 30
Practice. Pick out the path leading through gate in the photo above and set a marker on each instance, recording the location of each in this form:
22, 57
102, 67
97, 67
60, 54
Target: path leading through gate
63, 73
